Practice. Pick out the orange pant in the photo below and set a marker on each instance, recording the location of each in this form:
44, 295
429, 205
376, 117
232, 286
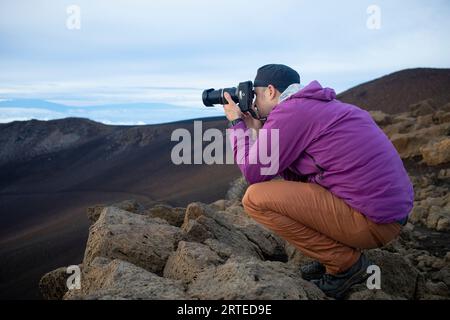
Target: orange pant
319, 224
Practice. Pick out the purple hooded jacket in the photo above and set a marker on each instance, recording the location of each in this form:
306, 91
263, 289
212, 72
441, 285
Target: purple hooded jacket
338, 146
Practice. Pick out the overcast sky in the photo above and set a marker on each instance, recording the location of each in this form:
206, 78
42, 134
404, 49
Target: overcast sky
169, 51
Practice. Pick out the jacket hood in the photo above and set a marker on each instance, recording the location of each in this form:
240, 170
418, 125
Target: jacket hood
315, 91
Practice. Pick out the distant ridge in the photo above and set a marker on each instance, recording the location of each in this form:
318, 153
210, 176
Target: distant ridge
139, 113
394, 93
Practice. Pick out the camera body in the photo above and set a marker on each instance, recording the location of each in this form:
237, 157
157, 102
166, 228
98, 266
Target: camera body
243, 95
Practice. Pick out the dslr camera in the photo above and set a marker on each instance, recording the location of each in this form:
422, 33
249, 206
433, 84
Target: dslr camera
243, 95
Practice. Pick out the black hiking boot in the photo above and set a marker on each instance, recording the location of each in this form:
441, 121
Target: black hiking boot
336, 286
312, 271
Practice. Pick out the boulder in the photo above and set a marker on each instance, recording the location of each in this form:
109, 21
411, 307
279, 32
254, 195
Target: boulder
398, 277
189, 259
380, 117
441, 116
53, 284
439, 218
128, 205
144, 241
409, 144
426, 262
295, 257
223, 204
432, 212
436, 152
250, 278
418, 214
237, 189
360, 292
424, 121
223, 250
235, 231
400, 124
431, 290
116, 280
173, 216
443, 275
201, 222
422, 108
271, 245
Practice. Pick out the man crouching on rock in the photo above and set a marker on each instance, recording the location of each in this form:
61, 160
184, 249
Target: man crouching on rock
345, 187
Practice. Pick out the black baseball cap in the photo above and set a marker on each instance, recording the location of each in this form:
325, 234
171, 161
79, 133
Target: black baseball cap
278, 75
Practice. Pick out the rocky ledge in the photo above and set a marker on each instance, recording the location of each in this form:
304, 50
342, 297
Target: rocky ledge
216, 251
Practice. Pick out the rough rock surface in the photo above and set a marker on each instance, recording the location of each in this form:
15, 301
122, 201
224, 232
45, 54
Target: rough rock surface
117, 279
144, 241
94, 212
53, 284
251, 278
437, 152
174, 216
398, 277
189, 260
236, 232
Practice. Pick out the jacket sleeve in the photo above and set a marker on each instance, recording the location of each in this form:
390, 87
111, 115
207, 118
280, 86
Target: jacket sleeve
281, 141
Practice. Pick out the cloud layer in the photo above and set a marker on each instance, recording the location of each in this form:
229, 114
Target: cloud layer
169, 51
118, 114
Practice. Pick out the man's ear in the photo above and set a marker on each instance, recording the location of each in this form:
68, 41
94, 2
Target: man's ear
272, 91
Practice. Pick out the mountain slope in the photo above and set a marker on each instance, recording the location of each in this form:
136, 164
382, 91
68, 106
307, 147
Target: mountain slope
47, 180
395, 92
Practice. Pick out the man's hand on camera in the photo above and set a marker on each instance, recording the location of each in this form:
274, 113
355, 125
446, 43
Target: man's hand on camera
251, 122
232, 111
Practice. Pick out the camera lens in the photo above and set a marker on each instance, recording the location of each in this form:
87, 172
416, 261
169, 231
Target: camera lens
211, 97
206, 98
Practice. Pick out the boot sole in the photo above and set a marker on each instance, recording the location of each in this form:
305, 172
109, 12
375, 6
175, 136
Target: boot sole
313, 276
